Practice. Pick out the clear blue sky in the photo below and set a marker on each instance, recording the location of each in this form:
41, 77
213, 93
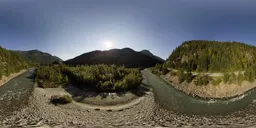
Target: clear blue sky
67, 28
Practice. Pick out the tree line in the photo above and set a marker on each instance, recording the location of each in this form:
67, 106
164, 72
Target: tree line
10, 62
213, 56
104, 78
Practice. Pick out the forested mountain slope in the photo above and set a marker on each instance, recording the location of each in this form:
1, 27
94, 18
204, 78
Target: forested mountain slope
148, 53
126, 56
10, 62
213, 56
36, 56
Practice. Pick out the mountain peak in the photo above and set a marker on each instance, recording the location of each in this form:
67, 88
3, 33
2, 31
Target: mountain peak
37, 56
126, 56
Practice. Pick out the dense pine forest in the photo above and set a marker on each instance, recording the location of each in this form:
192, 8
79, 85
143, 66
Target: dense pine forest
237, 62
10, 62
103, 78
213, 56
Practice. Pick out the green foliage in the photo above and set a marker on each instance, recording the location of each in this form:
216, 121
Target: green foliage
216, 81
132, 80
240, 78
249, 74
173, 73
160, 69
202, 80
57, 99
212, 56
49, 76
164, 69
106, 78
226, 77
185, 76
10, 62
232, 79
35, 57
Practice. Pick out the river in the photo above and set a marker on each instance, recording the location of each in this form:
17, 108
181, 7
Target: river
14, 95
175, 100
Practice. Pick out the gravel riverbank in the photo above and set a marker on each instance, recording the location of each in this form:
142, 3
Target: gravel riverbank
222, 91
11, 76
146, 113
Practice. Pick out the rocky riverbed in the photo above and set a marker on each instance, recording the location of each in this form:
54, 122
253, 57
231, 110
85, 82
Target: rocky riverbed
145, 112
222, 91
40, 112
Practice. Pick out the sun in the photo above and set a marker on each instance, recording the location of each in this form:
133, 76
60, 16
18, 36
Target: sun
108, 44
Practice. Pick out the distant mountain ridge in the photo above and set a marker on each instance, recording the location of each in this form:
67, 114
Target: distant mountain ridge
37, 56
147, 52
126, 56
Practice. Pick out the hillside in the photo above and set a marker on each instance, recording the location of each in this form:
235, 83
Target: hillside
148, 53
36, 56
213, 56
126, 57
10, 62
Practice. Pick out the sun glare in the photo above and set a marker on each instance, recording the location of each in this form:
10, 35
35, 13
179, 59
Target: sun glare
108, 44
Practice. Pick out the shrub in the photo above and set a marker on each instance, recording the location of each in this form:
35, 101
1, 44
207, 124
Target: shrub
240, 78
1, 74
233, 78
57, 99
49, 76
173, 73
132, 80
164, 69
203, 80
226, 78
216, 81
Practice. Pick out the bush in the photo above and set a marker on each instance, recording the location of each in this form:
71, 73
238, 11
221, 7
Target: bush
49, 76
240, 78
164, 69
57, 99
132, 80
233, 78
216, 81
203, 80
226, 78
185, 76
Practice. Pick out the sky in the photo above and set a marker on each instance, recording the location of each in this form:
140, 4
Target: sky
67, 28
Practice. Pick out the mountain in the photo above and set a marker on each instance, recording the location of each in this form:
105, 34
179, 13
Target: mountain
213, 56
10, 62
148, 53
126, 56
36, 56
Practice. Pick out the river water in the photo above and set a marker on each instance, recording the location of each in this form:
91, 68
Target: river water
14, 95
175, 100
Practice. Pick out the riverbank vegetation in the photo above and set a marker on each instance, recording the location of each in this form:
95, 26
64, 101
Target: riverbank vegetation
10, 63
103, 78
50, 76
212, 56
106, 78
195, 61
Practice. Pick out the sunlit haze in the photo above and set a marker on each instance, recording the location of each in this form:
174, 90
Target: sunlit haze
108, 44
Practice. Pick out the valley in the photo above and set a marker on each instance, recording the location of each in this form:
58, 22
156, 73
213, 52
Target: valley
123, 87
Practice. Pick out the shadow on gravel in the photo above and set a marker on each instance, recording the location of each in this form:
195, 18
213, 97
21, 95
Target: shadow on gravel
79, 94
